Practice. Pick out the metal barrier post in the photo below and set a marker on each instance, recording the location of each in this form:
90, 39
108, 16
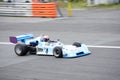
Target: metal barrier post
69, 8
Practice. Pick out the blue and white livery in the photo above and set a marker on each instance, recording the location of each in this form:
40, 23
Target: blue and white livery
42, 45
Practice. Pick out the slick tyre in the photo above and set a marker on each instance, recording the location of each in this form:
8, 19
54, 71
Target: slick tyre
21, 49
57, 52
77, 44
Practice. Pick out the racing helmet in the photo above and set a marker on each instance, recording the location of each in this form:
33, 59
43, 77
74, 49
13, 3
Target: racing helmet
46, 38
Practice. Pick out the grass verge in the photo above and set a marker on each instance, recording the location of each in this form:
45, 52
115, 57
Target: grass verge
83, 4
108, 6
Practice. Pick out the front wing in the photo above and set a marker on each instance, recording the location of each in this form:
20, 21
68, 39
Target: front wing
79, 52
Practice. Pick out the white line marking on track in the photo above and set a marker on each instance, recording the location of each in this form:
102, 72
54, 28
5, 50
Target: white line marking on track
93, 46
116, 47
6, 43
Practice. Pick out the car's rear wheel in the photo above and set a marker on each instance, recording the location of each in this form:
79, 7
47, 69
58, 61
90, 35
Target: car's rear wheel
57, 52
77, 44
21, 49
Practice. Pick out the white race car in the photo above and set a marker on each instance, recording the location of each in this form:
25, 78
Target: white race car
42, 45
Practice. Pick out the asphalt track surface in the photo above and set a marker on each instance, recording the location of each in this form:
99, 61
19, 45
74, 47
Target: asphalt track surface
97, 28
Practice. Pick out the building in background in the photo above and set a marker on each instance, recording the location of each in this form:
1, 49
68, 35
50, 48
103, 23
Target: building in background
97, 2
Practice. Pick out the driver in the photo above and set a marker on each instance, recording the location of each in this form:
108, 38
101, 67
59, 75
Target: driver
46, 38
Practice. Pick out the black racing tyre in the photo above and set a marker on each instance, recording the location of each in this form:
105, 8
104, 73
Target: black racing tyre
77, 44
57, 52
32, 50
21, 49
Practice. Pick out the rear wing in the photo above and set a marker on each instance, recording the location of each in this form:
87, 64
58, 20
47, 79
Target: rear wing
22, 38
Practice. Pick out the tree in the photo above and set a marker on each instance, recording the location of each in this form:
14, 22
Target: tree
1, 0
78, 0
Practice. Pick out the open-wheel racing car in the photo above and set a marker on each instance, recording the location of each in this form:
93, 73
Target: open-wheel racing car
42, 45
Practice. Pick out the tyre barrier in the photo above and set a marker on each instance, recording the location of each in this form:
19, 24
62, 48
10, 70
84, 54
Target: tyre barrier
44, 9
29, 9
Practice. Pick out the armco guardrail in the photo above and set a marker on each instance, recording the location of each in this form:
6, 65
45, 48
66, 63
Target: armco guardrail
28, 9
15, 9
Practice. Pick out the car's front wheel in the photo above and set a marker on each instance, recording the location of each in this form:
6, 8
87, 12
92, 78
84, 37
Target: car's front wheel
57, 52
77, 44
21, 49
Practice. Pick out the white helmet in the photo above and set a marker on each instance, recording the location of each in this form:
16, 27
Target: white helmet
45, 38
